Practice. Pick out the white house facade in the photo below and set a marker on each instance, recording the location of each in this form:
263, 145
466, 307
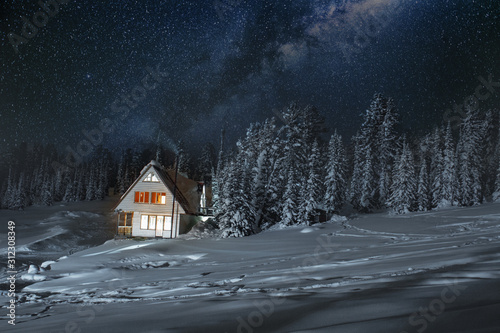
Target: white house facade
148, 208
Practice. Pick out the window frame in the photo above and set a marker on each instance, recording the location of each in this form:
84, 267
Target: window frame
151, 178
147, 222
141, 197
162, 198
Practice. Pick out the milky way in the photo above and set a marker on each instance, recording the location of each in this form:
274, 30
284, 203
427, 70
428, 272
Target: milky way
225, 64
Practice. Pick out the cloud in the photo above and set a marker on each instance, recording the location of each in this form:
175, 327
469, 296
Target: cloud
334, 21
292, 54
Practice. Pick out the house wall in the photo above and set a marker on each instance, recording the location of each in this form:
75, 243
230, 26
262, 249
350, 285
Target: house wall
138, 232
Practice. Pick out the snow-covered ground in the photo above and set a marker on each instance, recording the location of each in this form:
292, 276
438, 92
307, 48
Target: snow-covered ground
423, 272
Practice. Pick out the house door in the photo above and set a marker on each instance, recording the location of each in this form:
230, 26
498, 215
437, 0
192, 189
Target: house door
159, 226
168, 225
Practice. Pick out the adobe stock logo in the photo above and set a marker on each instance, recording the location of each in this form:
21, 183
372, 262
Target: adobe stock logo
482, 92
30, 29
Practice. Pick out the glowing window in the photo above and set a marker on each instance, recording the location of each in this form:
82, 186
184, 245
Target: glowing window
144, 222
152, 222
158, 198
141, 197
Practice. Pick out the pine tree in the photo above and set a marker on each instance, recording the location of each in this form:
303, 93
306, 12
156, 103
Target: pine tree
469, 159
404, 184
335, 181
10, 192
312, 192
69, 193
437, 167
90, 188
19, 202
217, 177
238, 217
491, 127
357, 172
275, 184
496, 193
376, 146
496, 189
46, 193
120, 181
102, 181
367, 200
206, 162
387, 149
424, 198
289, 211
448, 178
58, 186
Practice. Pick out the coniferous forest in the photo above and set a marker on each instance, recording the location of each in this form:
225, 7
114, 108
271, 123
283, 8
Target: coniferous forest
286, 171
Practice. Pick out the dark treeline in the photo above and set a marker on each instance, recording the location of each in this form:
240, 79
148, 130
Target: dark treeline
31, 175
287, 174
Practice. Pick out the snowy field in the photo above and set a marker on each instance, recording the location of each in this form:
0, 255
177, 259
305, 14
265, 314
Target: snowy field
424, 272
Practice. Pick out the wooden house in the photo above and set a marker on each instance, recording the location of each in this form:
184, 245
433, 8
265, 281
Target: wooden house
149, 208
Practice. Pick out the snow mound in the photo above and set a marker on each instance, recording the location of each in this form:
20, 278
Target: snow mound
337, 218
33, 277
45, 266
206, 229
33, 269
308, 230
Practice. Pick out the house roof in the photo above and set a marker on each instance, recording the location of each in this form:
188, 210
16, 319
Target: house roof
186, 189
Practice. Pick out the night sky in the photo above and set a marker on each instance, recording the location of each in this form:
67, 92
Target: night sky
229, 63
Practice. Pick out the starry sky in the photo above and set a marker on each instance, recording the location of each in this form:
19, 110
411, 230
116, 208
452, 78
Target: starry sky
191, 68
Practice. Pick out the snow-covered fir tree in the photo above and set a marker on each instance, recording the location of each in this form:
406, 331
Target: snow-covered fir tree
69, 192
368, 184
237, 219
19, 200
120, 181
355, 186
469, 159
262, 163
404, 184
206, 163
448, 178
310, 199
496, 187
376, 147
335, 182
10, 192
290, 212
387, 148
424, 197
217, 178
90, 191
436, 166
496, 192
46, 193
490, 154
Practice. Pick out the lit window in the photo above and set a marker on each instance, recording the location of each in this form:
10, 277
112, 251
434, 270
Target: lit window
141, 197
151, 178
158, 198
144, 222
152, 222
